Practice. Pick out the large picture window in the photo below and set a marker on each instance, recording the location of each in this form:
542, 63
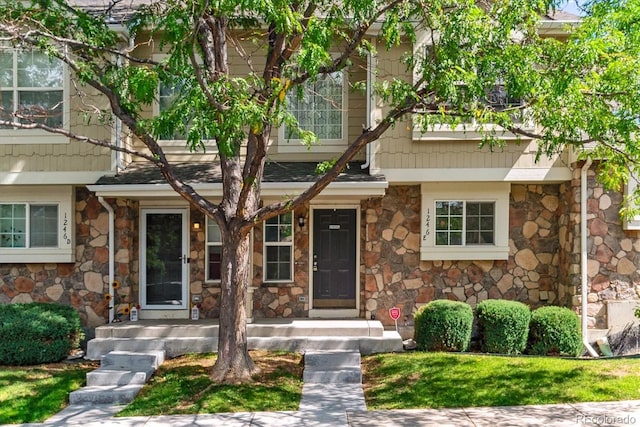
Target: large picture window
24, 225
278, 248
319, 109
31, 85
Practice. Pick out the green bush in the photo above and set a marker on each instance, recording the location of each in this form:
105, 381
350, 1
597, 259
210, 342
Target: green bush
443, 325
503, 326
554, 331
36, 333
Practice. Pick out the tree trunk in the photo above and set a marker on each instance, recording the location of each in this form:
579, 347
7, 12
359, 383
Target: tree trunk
234, 365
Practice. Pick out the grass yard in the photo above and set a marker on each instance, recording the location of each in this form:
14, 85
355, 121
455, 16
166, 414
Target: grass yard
182, 386
451, 380
34, 393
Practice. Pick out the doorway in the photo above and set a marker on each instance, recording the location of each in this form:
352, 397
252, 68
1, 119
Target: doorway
163, 262
334, 259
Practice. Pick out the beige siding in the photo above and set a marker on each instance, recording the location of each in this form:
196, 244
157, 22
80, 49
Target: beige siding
397, 149
177, 151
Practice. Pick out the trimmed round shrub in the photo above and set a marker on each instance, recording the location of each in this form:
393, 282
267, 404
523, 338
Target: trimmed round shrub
554, 331
36, 333
443, 325
503, 326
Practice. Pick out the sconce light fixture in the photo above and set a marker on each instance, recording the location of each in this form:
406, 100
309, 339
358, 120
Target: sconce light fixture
301, 221
196, 225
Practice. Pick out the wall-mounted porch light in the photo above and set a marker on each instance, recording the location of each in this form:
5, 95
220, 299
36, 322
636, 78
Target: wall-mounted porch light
301, 221
196, 225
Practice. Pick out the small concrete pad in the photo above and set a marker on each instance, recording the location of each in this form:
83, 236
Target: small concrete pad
332, 398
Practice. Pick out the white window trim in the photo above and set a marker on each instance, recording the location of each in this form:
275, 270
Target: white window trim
62, 196
38, 136
291, 145
466, 131
206, 251
629, 189
497, 192
288, 244
177, 146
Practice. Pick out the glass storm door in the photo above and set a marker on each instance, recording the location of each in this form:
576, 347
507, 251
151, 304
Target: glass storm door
164, 261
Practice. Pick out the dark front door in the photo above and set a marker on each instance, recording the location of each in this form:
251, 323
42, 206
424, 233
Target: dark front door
334, 258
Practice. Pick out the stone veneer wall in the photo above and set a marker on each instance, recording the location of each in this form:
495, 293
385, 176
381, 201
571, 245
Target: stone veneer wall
613, 265
283, 299
393, 274
82, 284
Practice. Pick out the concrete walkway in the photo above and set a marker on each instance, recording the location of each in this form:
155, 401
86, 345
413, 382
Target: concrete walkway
607, 414
332, 396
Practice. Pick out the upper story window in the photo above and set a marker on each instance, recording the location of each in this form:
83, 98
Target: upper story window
320, 109
465, 221
278, 248
31, 85
167, 94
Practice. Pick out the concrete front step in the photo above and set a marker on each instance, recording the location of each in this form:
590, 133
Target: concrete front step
110, 377
327, 360
332, 367
207, 328
135, 361
385, 342
342, 376
104, 394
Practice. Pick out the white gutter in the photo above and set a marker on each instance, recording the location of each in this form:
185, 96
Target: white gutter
109, 209
370, 75
583, 257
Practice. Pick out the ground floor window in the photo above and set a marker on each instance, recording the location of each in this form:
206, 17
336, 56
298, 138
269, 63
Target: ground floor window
214, 251
462, 221
278, 248
36, 224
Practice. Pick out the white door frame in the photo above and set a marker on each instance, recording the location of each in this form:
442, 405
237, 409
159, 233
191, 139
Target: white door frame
331, 312
172, 311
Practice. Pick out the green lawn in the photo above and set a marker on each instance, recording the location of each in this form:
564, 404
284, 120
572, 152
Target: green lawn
450, 380
183, 386
34, 393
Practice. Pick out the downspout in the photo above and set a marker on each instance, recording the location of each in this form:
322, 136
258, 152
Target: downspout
583, 256
370, 76
109, 209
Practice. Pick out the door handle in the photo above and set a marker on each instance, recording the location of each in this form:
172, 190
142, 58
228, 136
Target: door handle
185, 259
315, 265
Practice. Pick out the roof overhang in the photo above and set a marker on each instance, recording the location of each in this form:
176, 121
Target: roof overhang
355, 190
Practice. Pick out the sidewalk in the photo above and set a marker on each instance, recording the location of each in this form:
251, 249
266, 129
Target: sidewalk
621, 414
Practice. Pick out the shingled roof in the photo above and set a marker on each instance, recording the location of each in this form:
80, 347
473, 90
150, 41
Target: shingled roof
201, 172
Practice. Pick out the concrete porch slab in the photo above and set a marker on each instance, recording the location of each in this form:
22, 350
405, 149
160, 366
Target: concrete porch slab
177, 337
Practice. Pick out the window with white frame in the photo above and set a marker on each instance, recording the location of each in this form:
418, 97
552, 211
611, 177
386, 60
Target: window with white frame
36, 224
465, 221
461, 222
319, 108
31, 85
214, 251
28, 225
278, 248
167, 94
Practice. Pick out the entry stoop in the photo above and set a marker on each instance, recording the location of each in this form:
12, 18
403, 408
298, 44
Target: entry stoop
332, 367
177, 337
119, 379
